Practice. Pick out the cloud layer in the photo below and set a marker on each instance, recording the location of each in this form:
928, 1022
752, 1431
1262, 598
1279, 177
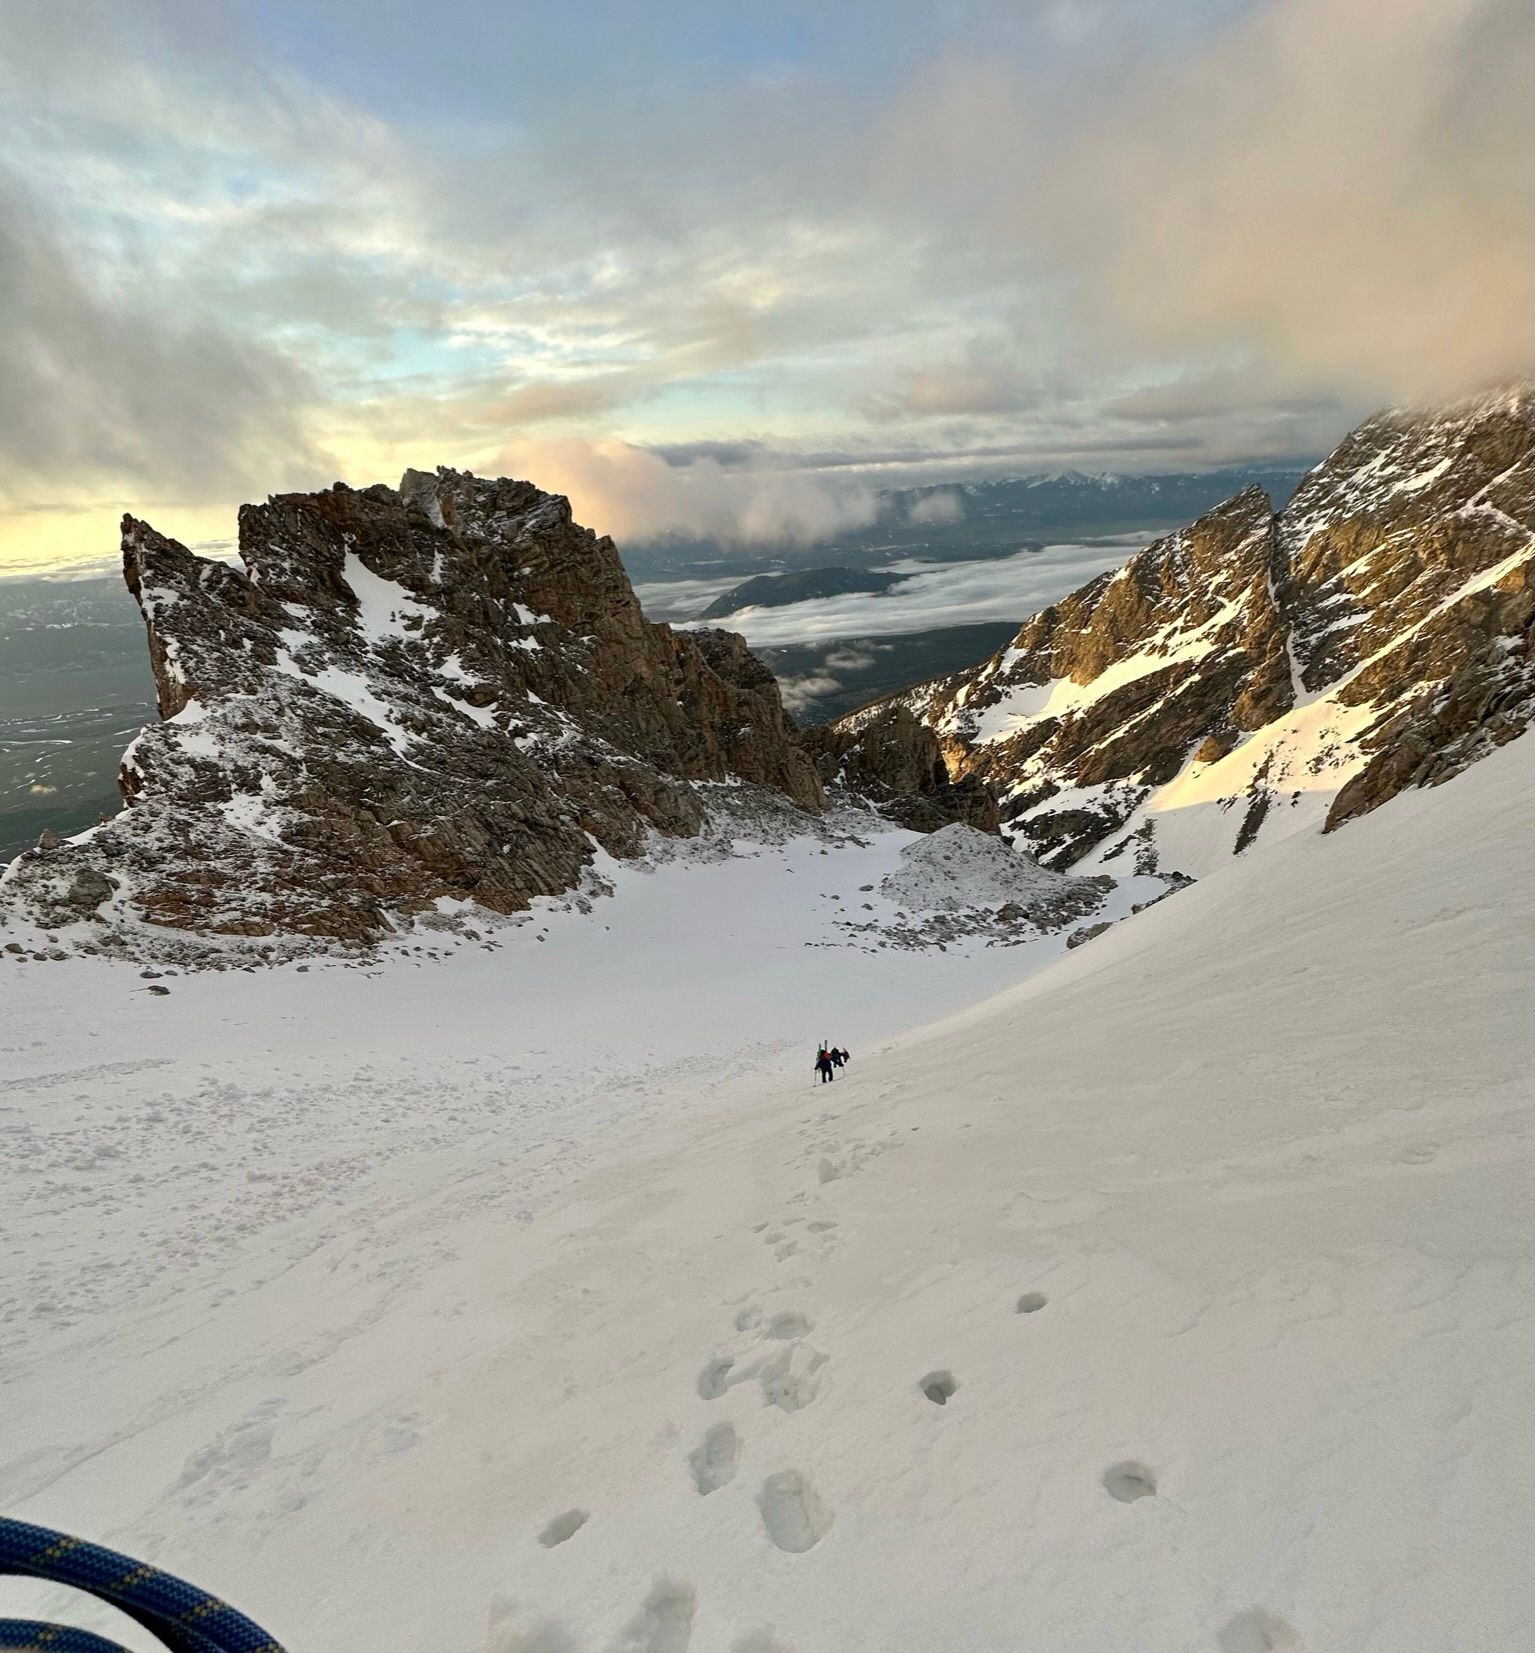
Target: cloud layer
1344, 187
944, 594
101, 388
729, 274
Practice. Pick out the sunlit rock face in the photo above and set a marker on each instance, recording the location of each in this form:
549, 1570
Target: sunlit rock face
1261, 672
440, 693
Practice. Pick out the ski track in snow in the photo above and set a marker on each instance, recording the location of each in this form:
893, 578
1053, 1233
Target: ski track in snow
1178, 1298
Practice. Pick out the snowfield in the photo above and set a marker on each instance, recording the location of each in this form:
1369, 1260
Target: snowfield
1175, 1297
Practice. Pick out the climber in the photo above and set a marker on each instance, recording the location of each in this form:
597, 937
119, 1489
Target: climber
837, 1056
823, 1065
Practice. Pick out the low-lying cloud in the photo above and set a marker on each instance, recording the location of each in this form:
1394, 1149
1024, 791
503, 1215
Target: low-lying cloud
939, 594
932, 510
632, 493
855, 657
804, 693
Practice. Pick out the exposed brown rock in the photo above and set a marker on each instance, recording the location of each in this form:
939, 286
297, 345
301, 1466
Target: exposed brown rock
445, 692
1486, 649
1373, 635
1088, 932
897, 763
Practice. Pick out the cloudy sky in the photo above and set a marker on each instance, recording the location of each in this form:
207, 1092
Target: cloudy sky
728, 266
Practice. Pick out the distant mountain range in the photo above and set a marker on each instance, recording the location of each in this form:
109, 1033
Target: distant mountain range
1075, 502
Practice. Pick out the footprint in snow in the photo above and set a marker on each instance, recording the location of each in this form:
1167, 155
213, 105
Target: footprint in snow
1423, 1153
939, 1387
1128, 1481
1257, 1631
1032, 1302
234, 1458
792, 1514
713, 1461
792, 1379
715, 1378
398, 1435
513, 1629
664, 1624
563, 1527
790, 1323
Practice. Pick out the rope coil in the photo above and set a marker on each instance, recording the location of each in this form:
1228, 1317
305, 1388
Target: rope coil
186, 1619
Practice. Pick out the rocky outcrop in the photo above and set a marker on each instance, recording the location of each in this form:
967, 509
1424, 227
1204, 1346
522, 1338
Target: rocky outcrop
958, 868
408, 699
1479, 660
1262, 671
897, 763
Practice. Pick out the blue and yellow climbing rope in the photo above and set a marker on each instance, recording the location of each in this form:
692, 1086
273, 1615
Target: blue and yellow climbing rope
184, 1618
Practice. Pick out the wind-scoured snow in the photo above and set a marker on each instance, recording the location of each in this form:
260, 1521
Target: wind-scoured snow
539, 1301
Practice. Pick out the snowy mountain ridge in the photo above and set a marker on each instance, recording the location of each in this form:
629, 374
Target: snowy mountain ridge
510, 1294
1258, 672
411, 702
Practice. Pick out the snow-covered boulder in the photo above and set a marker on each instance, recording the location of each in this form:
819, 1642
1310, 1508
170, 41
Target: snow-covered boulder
959, 868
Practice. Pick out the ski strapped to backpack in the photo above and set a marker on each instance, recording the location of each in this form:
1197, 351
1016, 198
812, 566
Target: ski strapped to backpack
186, 1619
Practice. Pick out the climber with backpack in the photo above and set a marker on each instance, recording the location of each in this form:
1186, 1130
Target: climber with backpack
823, 1064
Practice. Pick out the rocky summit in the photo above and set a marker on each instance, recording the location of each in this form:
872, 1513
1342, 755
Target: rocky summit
408, 699
1261, 671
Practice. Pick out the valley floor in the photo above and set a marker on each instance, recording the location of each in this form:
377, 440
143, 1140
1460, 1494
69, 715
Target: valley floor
1175, 1297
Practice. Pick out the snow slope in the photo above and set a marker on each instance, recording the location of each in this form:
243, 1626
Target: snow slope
1212, 1237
